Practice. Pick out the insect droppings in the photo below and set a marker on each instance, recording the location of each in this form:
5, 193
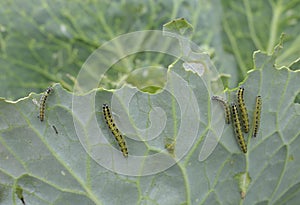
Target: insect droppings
55, 130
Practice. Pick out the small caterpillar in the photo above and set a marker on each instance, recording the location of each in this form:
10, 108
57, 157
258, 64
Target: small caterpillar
242, 106
237, 128
115, 131
256, 116
43, 103
225, 105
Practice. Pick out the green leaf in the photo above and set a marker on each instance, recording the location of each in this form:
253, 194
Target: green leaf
56, 169
257, 25
150, 79
45, 43
19, 192
244, 180
179, 26
49, 41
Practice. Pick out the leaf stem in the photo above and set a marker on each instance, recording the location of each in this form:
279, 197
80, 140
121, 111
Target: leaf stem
235, 48
251, 25
274, 28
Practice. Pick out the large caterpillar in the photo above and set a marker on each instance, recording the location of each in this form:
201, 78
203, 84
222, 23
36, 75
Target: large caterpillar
242, 106
225, 105
43, 103
115, 131
237, 128
256, 116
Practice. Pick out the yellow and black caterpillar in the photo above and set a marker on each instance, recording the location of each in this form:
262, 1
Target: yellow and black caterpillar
243, 109
43, 103
225, 105
237, 128
256, 116
115, 131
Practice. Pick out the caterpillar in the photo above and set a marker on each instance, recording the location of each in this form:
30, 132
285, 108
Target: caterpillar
243, 109
256, 116
237, 128
43, 103
115, 131
225, 105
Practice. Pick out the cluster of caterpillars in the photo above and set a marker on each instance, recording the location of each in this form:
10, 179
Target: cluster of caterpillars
237, 112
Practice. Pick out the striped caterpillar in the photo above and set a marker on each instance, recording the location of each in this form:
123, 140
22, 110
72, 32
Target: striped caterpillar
43, 103
115, 131
237, 128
